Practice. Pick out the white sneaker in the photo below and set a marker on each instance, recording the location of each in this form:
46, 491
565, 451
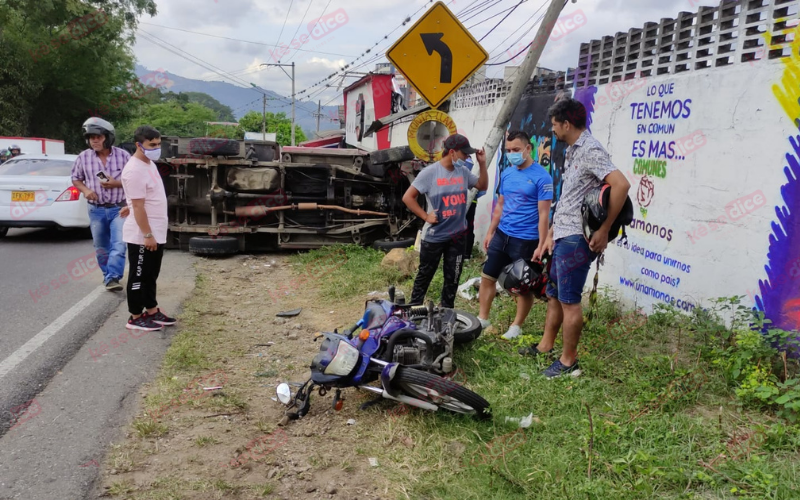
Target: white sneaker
485, 323
512, 332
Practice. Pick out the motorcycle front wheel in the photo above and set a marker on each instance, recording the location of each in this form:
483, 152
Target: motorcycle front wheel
440, 391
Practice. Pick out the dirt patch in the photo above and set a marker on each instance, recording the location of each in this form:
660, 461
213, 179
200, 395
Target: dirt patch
229, 445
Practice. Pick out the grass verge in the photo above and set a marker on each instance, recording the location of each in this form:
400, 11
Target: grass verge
651, 418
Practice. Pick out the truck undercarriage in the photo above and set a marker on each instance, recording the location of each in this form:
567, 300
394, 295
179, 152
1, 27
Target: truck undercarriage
227, 196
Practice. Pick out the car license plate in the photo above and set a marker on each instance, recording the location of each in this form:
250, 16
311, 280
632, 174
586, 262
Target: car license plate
23, 196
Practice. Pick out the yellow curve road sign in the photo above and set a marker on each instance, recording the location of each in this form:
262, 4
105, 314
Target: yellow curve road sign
437, 54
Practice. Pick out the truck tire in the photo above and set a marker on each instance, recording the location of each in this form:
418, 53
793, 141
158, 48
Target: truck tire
213, 146
391, 155
213, 245
386, 246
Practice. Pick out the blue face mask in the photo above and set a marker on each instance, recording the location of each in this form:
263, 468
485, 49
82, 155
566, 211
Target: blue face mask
460, 163
515, 159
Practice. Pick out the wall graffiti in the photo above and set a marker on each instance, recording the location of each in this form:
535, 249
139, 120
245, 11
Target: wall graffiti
780, 297
530, 115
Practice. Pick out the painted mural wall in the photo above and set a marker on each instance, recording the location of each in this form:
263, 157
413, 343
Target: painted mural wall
713, 158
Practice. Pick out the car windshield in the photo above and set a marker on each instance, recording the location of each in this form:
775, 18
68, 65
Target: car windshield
39, 167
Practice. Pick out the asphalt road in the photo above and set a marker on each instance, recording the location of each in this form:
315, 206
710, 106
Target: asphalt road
54, 317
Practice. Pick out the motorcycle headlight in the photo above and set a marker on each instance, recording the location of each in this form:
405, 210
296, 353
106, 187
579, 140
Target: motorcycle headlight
344, 361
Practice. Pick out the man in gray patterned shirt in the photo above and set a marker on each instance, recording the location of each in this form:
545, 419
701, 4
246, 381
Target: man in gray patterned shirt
587, 167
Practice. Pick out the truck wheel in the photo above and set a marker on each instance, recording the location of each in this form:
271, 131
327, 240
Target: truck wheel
213, 146
391, 155
3, 231
389, 245
211, 245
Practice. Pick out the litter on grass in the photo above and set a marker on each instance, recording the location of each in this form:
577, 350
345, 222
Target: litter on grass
523, 422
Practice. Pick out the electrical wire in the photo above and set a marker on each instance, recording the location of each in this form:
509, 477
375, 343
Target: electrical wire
312, 29
149, 37
501, 21
527, 30
493, 16
243, 41
300, 25
284, 20
481, 11
385, 37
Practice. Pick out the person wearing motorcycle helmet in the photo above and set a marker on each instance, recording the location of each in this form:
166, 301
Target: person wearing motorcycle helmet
3, 154
96, 173
14, 150
522, 214
587, 166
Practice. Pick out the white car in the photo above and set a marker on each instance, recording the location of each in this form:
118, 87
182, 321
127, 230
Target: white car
37, 191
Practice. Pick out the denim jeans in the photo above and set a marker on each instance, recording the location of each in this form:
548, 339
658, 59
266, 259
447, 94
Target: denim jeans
569, 269
106, 226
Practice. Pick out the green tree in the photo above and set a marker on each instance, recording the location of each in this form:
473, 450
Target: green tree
224, 113
278, 123
62, 59
175, 118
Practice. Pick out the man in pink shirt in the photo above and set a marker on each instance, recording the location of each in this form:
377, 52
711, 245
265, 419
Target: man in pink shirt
146, 231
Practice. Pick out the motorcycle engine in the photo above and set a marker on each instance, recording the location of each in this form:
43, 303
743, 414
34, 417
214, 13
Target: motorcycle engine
407, 355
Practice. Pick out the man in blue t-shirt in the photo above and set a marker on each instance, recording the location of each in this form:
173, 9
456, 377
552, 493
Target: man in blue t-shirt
445, 185
521, 216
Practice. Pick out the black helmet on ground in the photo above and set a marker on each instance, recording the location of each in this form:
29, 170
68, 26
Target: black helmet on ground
594, 212
523, 277
98, 126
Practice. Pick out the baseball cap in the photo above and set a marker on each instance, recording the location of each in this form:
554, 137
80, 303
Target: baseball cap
459, 143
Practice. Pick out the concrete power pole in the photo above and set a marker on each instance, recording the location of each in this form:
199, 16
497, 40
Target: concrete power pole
264, 120
293, 143
319, 113
498, 132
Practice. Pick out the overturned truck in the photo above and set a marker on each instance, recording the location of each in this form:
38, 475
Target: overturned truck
227, 196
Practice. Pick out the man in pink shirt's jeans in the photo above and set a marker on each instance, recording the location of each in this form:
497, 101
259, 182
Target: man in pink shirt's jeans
146, 231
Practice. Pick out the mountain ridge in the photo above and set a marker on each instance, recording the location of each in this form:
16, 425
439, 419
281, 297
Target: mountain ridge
242, 100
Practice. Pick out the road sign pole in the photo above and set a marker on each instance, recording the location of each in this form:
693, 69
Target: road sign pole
523, 76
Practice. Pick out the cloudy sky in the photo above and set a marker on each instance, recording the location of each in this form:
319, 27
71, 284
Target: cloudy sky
234, 37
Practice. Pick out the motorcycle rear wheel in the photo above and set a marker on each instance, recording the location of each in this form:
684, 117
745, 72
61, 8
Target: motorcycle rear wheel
468, 327
440, 391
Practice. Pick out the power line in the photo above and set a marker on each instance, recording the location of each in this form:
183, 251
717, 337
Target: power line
299, 25
149, 37
312, 29
285, 19
243, 41
501, 21
367, 51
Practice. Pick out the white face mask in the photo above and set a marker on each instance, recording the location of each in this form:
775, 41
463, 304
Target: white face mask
151, 154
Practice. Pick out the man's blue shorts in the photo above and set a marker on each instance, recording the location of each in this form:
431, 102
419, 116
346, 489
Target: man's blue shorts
503, 250
571, 262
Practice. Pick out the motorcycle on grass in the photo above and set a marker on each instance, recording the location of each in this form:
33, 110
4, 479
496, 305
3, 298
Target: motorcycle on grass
405, 359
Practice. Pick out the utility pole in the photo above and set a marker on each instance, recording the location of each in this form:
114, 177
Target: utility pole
293, 143
264, 121
293, 93
319, 113
497, 134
